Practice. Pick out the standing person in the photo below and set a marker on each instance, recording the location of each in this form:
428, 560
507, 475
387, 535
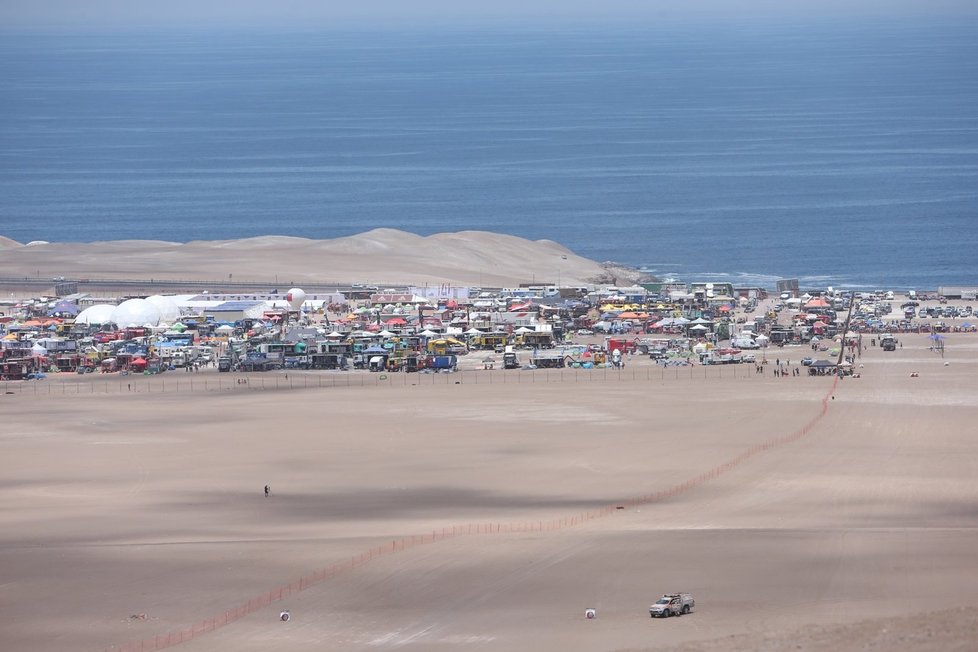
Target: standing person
268, 490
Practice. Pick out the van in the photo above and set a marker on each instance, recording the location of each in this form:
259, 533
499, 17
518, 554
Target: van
745, 343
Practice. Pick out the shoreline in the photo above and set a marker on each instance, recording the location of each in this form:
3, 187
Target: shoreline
383, 257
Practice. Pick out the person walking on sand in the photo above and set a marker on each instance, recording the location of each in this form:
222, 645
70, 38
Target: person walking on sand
268, 490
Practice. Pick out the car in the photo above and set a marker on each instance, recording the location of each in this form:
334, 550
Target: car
807, 362
672, 604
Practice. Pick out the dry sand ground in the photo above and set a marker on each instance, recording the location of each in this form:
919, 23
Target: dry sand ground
118, 504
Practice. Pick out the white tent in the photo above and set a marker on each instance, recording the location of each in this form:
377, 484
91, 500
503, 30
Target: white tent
135, 312
97, 314
167, 307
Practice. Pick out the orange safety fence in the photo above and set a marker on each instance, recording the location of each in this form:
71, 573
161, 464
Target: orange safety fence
170, 639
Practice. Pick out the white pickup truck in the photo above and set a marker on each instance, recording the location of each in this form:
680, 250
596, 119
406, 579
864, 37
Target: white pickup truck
672, 604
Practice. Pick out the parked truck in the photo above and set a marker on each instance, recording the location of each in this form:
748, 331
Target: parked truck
672, 604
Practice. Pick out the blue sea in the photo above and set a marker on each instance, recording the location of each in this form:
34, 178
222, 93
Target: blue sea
840, 154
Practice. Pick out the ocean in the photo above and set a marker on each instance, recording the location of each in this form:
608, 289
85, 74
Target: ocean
839, 154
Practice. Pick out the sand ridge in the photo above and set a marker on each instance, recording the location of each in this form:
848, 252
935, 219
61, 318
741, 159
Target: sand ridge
384, 256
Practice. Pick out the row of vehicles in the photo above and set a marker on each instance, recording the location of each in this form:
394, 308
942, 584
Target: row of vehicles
938, 312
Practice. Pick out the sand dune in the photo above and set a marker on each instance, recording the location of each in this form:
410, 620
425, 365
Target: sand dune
381, 256
7, 243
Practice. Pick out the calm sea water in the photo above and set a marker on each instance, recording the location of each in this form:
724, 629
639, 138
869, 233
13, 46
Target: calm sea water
843, 155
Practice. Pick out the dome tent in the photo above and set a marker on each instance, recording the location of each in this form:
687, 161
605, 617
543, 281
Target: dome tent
98, 314
169, 311
134, 313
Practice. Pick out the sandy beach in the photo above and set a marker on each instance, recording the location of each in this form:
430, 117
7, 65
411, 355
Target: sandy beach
480, 510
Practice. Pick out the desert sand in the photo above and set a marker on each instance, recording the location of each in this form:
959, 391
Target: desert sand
803, 513
381, 256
